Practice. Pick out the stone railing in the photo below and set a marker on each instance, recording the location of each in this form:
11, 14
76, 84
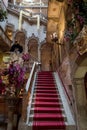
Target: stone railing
16, 9
28, 92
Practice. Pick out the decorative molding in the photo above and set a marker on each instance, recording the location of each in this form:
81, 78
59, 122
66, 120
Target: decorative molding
33, 37
81, 41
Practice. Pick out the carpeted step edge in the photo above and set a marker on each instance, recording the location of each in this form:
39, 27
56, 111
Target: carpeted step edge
32, 116
32, 111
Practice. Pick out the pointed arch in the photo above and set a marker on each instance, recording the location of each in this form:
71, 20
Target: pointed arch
33, 46
20, 37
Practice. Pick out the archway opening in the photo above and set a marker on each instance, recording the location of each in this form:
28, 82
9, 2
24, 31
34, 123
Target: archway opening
80, 79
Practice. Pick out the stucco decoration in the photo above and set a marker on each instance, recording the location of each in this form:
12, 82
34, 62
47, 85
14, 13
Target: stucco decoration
81, 41
33, 37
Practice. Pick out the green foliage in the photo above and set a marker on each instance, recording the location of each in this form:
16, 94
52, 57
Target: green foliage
82, 6
3, 15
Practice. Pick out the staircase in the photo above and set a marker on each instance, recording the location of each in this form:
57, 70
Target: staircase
47, 109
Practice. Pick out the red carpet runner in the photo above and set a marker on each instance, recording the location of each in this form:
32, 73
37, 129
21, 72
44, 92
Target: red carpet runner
47, 106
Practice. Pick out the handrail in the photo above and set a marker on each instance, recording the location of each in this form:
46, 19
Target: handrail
30, 76
29, 88
27, 96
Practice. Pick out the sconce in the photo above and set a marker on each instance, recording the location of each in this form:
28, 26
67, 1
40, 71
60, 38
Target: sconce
54, 37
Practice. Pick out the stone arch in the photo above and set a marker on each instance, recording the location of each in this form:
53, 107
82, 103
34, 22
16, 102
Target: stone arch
20, 37
33, 46
79, 72
46, 56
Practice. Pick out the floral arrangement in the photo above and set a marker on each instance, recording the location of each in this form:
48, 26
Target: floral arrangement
76, 21
25, 56
69, 35
80, 19
16, 80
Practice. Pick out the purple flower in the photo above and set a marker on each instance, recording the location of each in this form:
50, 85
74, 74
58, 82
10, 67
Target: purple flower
0, 81
26, 56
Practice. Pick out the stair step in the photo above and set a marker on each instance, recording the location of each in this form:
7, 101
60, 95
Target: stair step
51, 75
48, 125
48, 117
45, 72
46, 95
45, 84
45, 87
47, 79
54, 85
45, 75
46, 104
46, 110
68, 127
44, 81
46, 91
42, 72
46, 99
